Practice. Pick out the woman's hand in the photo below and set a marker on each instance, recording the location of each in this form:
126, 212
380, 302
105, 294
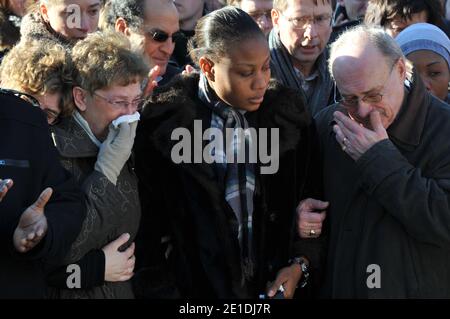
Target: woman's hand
119, 266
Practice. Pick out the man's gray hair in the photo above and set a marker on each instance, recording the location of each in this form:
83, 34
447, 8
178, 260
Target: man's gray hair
132, 11
375, 36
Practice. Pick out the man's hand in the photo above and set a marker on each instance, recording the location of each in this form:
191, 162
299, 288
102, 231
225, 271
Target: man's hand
152, 83
188, 69
310, 216
32, 225
119, 266
5, 185
289, 278
355, 139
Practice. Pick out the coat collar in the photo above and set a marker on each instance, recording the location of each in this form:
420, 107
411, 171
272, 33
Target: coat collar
409, 124
72, 141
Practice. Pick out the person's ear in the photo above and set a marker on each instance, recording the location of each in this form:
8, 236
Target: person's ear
207, 67
79, 98
122, 26
44, 12
275, 17
401, 66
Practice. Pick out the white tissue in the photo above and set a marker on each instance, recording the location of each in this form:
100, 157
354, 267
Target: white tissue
126, 119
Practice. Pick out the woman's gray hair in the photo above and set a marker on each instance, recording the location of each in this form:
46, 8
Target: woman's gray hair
373, 35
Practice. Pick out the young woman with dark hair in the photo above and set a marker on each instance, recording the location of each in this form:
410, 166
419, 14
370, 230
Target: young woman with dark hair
221, 224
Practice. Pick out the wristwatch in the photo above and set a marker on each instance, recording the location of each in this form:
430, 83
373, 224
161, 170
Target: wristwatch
305, 269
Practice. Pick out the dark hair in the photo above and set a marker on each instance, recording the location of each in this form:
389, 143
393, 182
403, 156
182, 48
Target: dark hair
220, 30
382, 12
132, 11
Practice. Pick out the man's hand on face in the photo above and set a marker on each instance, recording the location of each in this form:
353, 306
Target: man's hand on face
355, 139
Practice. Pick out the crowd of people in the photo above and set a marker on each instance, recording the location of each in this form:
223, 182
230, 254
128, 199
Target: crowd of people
236, 149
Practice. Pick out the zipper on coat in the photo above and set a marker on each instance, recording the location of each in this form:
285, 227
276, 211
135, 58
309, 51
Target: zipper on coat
15, 163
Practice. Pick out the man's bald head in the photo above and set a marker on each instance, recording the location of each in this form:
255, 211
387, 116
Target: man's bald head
361, 43
369, 69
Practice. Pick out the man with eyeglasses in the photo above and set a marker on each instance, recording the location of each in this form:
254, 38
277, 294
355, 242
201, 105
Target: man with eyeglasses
259, 10
152, 27
298, 43
386, 174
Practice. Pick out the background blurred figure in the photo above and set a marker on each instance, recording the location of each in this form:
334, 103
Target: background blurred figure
259, 10
63, 21
396, 15
212, 5
42, 69
350, 10
447, 10
11, 12
349, 13
428, 47
151, 26
190, 11
298, 49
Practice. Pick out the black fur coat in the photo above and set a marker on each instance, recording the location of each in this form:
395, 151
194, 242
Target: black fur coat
186, 203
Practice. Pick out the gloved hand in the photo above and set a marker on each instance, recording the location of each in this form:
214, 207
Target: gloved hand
116, 150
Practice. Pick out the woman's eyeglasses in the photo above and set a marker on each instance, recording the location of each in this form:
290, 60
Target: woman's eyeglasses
135, 104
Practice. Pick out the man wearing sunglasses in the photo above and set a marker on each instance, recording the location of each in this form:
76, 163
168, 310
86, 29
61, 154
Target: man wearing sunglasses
152, 27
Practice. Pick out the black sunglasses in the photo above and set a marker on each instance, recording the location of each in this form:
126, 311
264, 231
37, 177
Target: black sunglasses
162, 36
